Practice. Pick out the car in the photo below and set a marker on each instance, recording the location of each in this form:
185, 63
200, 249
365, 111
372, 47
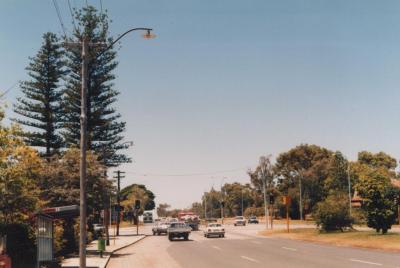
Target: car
97, 227
253, 219
214, 229
239, 220
160, 228
178, 230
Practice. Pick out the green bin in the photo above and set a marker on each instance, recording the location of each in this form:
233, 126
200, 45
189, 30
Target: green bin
101, 245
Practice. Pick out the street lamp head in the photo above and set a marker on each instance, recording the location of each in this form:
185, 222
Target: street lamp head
149, 35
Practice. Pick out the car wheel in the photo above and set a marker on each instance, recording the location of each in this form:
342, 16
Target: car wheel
170, 238
223, 235
154, 233
186, 237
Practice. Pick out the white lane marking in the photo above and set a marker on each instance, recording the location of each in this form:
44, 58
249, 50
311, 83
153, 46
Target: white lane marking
249, 259
367, 262
291, 249
217, 248
256, 242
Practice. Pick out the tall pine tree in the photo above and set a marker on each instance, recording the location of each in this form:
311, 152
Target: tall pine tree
103, 125
40, 105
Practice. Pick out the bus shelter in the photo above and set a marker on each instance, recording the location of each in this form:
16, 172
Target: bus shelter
45, 230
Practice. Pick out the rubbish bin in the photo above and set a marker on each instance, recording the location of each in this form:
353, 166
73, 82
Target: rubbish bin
101, 246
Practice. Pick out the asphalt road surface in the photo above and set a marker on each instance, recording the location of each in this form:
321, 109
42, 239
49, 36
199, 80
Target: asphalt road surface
243, 248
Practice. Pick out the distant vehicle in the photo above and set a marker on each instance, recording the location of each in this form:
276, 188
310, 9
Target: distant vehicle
178, 230
173, 220
147, 217
239, 220
160, 228
253, 219
97, 227
214, 229
190, 219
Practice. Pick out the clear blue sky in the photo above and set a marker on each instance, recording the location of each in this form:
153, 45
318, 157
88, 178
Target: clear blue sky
227, 81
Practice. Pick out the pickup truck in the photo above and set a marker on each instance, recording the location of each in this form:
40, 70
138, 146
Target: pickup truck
178, 230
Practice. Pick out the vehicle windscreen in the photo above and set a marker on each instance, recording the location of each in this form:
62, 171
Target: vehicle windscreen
177, 225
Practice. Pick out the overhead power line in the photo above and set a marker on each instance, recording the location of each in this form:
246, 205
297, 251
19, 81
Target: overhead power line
72, 14
2, 94
187, 174
59, 17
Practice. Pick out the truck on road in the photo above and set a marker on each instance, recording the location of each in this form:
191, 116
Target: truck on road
190, 219
178, 230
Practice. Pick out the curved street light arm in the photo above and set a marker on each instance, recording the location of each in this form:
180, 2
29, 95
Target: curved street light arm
122, 35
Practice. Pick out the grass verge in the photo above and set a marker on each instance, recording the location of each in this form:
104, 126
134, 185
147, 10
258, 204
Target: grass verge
354, 238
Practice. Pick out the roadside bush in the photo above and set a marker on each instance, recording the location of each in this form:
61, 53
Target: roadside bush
333, 213
20, 244
253, 211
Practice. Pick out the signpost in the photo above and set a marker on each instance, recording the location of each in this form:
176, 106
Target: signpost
286, 201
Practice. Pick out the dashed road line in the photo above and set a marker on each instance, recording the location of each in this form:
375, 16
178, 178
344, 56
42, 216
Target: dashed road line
366, 262
249, 259
291, 249
217, 248
256, 242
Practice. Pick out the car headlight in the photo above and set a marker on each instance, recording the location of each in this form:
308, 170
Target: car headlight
209, 230
223, 230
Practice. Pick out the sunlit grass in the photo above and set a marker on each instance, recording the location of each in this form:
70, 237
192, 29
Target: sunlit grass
365, 239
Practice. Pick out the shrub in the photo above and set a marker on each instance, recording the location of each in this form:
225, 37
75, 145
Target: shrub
253, 211
333, 213
20, 244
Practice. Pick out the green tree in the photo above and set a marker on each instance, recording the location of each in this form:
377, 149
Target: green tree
380, 199
19, 167
104, 129
59, 186
310, 163
337, 180
40, 106
142, 193
212, 199
333, 213
377, 160
162, 210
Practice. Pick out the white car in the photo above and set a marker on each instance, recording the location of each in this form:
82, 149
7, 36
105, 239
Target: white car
239, 220
98, 227
214, 229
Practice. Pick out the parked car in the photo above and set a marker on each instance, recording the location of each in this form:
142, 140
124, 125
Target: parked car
160, 228
239, 220
214, 229
97, 227
178, 230
253, 219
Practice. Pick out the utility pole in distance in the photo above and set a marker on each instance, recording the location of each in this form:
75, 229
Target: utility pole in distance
118, 177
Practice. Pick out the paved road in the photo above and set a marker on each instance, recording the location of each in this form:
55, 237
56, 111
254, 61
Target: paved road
243, 248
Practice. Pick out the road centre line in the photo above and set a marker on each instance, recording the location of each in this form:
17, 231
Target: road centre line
256, 242
217, 248
291, 249
366, 262
249, 259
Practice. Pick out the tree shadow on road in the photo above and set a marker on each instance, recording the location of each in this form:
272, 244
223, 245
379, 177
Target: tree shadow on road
120, 255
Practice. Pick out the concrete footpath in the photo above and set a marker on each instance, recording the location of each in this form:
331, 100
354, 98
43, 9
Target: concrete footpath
126, 238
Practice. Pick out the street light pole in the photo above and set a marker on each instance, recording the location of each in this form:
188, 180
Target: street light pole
83, 138
301, 201
82, 179
242, 202
349, 183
